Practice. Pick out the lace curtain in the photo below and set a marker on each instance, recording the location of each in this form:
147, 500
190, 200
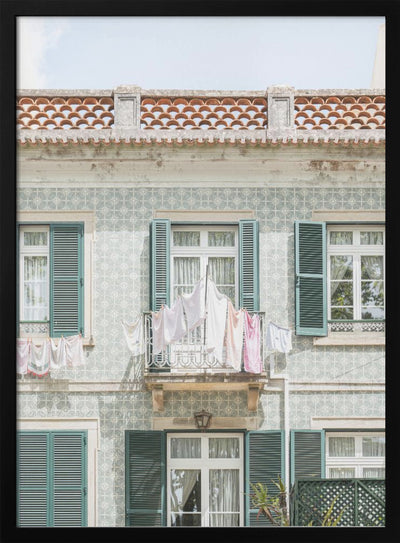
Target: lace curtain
35, 289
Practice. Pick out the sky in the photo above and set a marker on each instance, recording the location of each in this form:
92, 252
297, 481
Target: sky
196, 53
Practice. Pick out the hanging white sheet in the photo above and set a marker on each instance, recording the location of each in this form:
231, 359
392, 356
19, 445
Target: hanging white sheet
194, 305
217, 305
23, 355
252, 356
134, 336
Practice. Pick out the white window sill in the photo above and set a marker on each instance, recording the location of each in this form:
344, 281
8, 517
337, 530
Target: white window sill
350, 339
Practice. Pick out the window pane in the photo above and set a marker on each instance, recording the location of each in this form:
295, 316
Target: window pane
221, 447
224, 496
186, 239
374, 472
341, 446
185, 497
35, 239
222, 270
341, 293
371, 238
342, 473
221, 239
341, 238
185, 447
36, 290
369, 313
342, 313
372, 293
186, 274
341, 267
373, 446
372, 267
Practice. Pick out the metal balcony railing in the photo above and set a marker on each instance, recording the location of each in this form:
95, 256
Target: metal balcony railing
190, 355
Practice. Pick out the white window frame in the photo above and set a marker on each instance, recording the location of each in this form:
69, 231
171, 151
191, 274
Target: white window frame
357, 462
204, 251
356, 250
32, 250
204, 464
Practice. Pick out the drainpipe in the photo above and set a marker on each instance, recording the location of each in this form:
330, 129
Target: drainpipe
286, 420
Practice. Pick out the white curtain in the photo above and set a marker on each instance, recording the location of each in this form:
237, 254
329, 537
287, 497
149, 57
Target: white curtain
373, 446
35, 289
224, 497
374, 472
341, 238
223, 447
186, 274
341, 446
371, 238
342, 473
221, 239
183, 484
186, 447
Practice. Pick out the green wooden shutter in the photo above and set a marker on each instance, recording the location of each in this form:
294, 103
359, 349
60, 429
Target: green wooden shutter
32, 479
249, 265
52, 478
66, 285
310, 262
307, 454
69, 479
160, 235
145, 478
264, 462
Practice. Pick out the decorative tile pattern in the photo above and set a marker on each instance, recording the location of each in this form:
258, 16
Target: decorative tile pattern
121, 291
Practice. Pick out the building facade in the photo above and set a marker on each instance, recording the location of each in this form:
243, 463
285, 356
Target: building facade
127, 199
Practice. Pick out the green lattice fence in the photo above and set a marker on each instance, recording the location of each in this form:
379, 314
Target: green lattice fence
363, 501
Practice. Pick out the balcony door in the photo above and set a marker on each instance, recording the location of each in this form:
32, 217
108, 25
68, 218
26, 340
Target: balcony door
205, 479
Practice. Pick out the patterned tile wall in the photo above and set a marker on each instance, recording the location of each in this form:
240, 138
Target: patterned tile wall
121, 290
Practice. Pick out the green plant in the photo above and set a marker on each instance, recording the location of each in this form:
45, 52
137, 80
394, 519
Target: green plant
328, 519
273, 507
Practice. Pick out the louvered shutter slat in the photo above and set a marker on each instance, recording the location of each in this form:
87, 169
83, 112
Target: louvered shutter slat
265, 461
248, 265
145, 452
66, 242
310, 261
160, 256
307, 454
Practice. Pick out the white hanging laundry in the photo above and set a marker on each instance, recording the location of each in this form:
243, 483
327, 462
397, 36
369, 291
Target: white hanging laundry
74, 350
40, 359
23, 355
174, 322
157, 328
234, 337
216, 320
251, 353
278, 338
58, 354
194, 305
134, 336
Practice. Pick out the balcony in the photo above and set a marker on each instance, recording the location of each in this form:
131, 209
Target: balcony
186, 365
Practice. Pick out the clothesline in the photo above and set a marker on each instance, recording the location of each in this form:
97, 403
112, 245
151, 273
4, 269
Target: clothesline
39, 359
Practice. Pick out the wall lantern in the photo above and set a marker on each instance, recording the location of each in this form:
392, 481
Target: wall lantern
202, 419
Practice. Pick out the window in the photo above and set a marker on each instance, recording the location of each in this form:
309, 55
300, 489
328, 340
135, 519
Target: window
50, 279
356, 273
51, 478
180, 255
194, 251
339, 272
357, 455
205, 480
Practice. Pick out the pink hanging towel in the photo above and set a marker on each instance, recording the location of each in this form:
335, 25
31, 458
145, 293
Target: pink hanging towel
252, 358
